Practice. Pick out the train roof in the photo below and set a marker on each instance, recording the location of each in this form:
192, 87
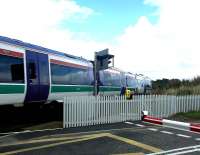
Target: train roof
129, 74
39, 48
115, 69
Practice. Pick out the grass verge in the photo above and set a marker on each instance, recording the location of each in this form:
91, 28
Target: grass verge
192, 116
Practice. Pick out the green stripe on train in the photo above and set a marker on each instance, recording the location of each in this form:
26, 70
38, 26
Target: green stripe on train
109, 89
11, 89
58, 89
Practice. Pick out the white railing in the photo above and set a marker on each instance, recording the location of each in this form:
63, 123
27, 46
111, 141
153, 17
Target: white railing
90, 110
167, 105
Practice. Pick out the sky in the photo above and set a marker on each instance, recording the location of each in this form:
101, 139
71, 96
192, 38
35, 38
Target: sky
157, 38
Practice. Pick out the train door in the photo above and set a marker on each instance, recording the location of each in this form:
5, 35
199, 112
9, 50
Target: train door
37, 68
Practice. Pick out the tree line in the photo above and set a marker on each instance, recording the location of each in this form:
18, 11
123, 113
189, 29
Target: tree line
176, 86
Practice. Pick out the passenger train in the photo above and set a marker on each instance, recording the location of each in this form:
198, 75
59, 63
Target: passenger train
33, 74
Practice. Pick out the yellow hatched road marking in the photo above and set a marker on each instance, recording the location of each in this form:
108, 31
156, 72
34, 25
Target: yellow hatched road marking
79, 139
51, 138
53, 145
135, 143
47, 140
96, 132
138, 153
92, 132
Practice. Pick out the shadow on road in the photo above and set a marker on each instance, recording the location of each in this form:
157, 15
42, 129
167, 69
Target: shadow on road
20, 118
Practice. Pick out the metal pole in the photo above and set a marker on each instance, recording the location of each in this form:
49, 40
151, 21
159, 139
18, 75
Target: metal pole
95, 73
113, 62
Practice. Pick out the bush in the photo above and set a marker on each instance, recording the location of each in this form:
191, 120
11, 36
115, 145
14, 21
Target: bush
176, 86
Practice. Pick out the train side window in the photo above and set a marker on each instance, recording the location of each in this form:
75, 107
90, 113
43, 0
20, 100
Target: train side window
101, 77
17, 71
11, 69
69, 75
107, 81
111, 79
91, 75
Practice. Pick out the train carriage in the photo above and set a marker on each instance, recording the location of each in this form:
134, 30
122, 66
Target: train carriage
111, 81
30, 73
33, 74
70, 77
12, 78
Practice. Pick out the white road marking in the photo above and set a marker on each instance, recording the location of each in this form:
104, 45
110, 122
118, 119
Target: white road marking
140, 125
198, 139
167, 132
152, 129
128, 122
184, 152
180, 135
44, 130
183, 149
2, 137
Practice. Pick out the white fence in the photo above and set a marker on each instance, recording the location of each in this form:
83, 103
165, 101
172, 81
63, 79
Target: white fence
164, 105
90, 110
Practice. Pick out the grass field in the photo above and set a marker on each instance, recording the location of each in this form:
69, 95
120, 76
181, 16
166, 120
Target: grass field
183, 90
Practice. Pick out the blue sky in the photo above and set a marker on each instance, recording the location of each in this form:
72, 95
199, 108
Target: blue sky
110, 18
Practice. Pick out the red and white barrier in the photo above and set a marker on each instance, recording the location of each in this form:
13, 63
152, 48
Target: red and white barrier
170, 123
195, 127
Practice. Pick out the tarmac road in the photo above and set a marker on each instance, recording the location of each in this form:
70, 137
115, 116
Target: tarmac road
127, 138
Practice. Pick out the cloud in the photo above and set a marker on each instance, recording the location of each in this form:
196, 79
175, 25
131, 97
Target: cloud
38, 22
170, 48
39, 14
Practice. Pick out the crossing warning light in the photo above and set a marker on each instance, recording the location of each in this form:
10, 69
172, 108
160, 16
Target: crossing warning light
103, 59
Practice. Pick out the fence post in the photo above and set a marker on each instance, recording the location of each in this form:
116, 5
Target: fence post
193, 103
175, 105
64, 119
196, 99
